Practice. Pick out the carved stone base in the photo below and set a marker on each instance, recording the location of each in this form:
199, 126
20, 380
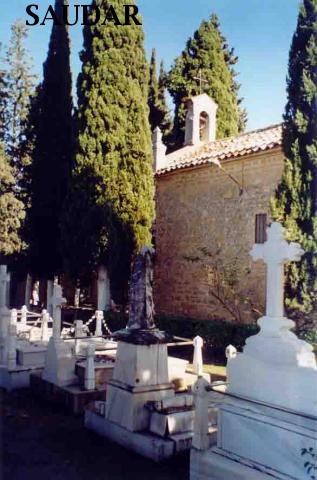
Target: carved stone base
143, 337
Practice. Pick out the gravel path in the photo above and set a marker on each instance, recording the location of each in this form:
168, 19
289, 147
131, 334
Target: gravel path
40, 442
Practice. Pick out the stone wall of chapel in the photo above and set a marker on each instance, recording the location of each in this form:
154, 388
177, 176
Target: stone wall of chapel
202, 208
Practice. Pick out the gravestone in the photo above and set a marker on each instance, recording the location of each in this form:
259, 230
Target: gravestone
59, 361
49, 296
28, 290
103, 289
4, 312
269, 418
141, 367
90, 378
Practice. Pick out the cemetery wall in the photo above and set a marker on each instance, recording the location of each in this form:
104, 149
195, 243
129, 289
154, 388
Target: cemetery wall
202, 210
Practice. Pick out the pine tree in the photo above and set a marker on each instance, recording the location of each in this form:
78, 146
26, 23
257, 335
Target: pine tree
18, 89
11, 211
206, 53
295, 202
52, 155
113, 178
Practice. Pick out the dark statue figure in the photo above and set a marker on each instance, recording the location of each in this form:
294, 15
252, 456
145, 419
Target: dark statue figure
141, 312
141, 328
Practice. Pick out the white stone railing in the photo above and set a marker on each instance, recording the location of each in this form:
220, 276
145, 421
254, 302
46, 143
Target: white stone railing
205, 394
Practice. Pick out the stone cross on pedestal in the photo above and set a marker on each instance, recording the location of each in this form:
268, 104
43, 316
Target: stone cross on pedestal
4, 280
57, 301
275, 252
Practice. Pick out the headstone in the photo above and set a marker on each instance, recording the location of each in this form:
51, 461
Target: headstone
90, 380
99, 319
14, 316
141, 367
45, 332
231, 352
49, 296
28, 290
269, 419
198, 356
8, 291
275, 348
36, 294
103, 289
57, 301
77, 297
24, 314
4, 312
11, 346
59, 361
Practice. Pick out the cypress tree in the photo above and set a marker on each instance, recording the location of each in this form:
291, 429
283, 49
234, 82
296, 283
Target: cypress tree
206, 53
159, 113
52, 155
166, 122
18, 89
113, 176
295, 202
11, 211
3, 102
154, 114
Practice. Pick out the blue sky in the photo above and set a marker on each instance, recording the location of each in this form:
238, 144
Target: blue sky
259, 30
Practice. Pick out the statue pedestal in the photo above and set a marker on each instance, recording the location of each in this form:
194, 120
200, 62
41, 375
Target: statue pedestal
140, 375
59, 363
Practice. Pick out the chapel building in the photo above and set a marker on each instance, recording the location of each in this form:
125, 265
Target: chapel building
212, 205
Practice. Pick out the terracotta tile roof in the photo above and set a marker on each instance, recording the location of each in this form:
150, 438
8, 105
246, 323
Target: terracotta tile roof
219, 150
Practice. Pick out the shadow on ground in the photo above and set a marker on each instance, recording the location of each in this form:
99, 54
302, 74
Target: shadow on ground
40, 442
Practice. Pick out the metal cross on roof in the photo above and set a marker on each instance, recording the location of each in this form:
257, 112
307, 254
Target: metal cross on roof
201, 81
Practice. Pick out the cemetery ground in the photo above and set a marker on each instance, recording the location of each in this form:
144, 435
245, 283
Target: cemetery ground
40, 441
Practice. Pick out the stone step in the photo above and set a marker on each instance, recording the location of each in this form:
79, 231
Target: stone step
167, 424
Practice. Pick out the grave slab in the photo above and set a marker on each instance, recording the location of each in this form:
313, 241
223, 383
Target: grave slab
72, 398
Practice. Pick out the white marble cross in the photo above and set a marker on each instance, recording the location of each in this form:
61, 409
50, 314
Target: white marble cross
4, 280
57, 301
275, 252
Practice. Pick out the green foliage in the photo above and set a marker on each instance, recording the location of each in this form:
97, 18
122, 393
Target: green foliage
225, 274
11, 211
114, 151
295, 202
3, 102
159, 114
154, 112
52, 154
17, 87
206, 52
166, 122
218, 334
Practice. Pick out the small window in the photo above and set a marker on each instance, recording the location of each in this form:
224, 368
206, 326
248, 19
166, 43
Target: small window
260, 227
203, 127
